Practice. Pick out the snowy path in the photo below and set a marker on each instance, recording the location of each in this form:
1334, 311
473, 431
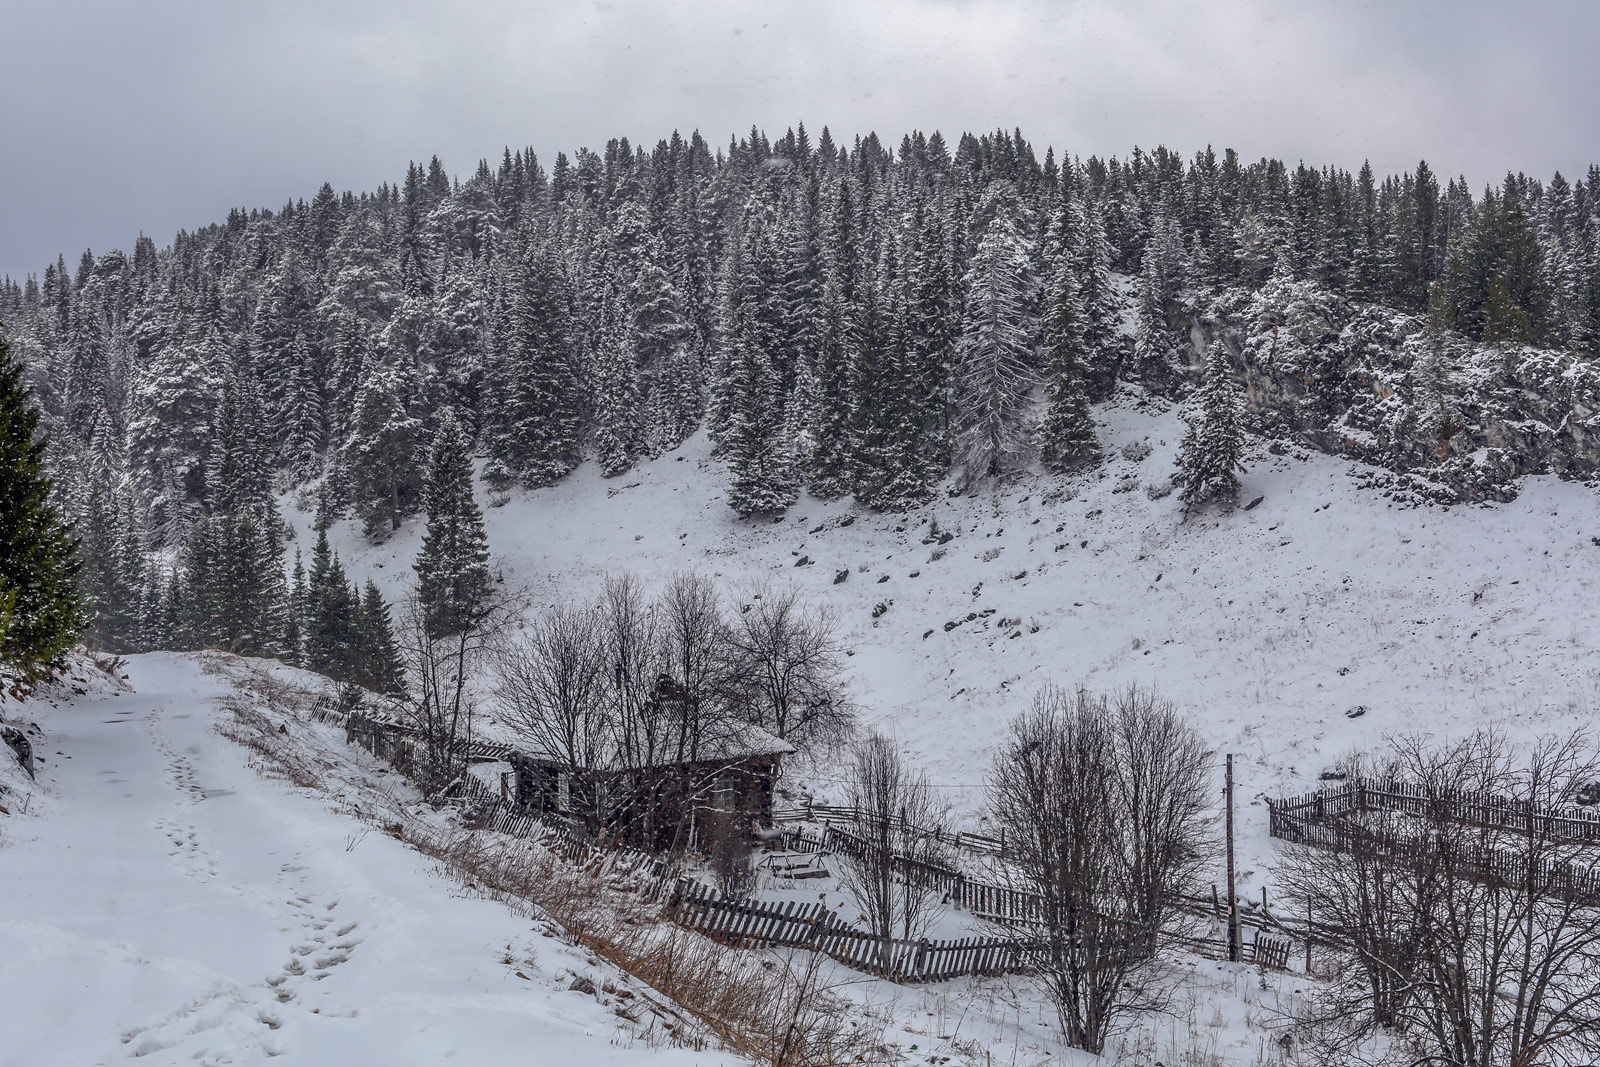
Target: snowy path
172, 906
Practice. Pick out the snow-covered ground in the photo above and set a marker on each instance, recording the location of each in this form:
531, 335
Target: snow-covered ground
162, 901
1266, 626
161, 897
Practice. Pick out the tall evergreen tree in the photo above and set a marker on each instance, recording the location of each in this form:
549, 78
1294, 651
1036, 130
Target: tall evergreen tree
759, 459
994, 351
39, 600
380, 668
536, 427
453, 580
381, 455
1211, 454
1066, 432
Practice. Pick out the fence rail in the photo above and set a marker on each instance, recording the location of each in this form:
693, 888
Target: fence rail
1485, 810
745, 923
1319, 819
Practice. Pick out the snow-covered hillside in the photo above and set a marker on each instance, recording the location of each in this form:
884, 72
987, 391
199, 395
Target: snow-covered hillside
164, 902
1267, 625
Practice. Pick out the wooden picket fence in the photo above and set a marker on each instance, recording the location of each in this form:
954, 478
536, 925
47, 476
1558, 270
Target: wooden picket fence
748, 924
1318, 819
1407, 798
982, 844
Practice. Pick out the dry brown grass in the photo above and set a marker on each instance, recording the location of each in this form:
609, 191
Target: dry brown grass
777, 1009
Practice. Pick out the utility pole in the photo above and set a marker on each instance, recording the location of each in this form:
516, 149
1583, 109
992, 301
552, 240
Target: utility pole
1233, 906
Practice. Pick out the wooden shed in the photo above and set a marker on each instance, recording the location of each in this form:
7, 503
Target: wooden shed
663, 805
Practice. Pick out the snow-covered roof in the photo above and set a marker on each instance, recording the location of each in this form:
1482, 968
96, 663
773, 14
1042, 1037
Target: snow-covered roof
731, 742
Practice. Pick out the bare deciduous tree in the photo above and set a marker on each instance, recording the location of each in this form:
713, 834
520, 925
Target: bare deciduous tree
894, 816
1464, 920
439, 669
552, 684
1103, 807
725, 839
790, 657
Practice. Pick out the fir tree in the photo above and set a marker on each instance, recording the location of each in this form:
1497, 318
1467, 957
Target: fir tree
381, 456
758, 459
453, 580
39, 597
536, 425
994, 351
1211, 454
380, 667
1066, 432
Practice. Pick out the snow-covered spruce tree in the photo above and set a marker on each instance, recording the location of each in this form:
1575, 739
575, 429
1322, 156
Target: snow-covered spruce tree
378, 665
453, 580
1437, 418
174, 399
535, 428
664, 349
381, 454
838, 337
294, 625
891, 465
301, 413
111, 550
616, 389
330, 613
993, 354
1102, 307
759, 459
40, 612
1211, 454
239, 471
931, 330
1066, 431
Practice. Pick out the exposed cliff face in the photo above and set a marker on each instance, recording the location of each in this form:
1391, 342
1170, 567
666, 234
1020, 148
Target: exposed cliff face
1455, 421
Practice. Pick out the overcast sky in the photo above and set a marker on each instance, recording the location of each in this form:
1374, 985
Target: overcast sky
127, 115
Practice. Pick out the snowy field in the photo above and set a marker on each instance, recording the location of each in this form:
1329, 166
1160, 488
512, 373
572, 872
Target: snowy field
1265, 626
163, 902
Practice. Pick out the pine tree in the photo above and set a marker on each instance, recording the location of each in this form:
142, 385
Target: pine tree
1066, 432
381, 669
39, 597
381, 455
995, 349
758, 457
1211, 454
536, 425
453, 580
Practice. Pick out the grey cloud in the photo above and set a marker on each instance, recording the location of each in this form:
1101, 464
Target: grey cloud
160, 115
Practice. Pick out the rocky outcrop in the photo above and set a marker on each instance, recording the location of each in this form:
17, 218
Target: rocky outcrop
1453, 421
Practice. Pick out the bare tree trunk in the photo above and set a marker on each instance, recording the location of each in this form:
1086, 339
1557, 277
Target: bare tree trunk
1101, 805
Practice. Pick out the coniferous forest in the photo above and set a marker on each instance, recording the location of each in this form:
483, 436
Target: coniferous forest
842, 319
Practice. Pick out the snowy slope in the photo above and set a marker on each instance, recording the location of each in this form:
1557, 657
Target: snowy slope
165, 902
1264, 625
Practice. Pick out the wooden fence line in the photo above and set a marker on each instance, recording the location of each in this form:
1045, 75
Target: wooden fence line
744, 923
1316, 819
1486, 810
